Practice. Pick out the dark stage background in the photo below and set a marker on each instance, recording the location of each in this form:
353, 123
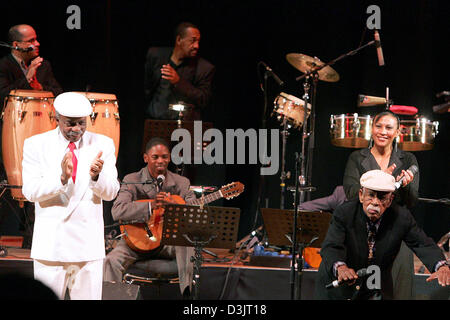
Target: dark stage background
108, 53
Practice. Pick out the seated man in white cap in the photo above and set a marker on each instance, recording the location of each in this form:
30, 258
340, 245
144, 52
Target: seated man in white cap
67, 172
368, 232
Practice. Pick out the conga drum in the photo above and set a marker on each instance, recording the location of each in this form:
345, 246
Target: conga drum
105, 117
25, 114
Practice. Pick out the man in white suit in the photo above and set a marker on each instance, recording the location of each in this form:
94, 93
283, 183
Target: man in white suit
67, 172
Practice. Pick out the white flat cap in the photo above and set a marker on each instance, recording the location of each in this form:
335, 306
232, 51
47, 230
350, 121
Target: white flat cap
72, 105
378, 180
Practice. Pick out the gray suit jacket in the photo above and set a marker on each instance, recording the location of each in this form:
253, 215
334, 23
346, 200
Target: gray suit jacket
125, 207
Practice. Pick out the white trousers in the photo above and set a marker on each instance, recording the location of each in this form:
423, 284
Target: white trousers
84, 280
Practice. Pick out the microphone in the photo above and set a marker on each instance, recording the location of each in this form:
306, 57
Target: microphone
413, 169
379, 49
30, 48
336, 283
272, 74
159, 181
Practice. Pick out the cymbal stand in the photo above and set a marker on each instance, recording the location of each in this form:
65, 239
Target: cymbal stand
261, 185
283, 175
350, 53
314, 73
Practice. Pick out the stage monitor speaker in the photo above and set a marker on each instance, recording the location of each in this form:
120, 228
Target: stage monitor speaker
120, 291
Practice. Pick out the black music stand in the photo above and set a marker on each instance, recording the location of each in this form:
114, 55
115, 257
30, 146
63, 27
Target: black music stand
311, 231
199, 227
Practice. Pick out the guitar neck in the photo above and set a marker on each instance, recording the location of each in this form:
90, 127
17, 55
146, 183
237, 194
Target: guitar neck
207, 199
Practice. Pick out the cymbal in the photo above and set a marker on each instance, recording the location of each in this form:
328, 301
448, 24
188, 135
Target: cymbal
306, 64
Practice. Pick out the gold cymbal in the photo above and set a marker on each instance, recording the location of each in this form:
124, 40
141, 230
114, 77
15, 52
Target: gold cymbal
306, 64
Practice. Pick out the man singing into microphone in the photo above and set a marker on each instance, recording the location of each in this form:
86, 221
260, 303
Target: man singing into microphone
142, 185
369, 231
67, 172
24, 68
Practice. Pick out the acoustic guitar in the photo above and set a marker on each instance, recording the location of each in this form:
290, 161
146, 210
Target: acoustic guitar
143, 237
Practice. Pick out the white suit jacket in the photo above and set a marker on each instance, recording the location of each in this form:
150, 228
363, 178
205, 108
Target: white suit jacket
68, 223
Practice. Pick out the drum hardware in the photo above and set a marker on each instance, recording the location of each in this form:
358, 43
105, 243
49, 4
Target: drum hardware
21, 115
52, 115
106, 114
94, 117
116, 116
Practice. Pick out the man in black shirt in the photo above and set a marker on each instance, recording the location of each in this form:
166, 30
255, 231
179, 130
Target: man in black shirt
178, 75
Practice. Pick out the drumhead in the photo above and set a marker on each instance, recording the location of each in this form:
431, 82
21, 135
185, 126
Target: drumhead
97, 96
292, 98
350, 115
31, 94
419, 120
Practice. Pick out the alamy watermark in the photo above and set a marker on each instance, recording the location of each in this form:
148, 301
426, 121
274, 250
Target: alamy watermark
228, 149
74, 20
374, 280
374, 20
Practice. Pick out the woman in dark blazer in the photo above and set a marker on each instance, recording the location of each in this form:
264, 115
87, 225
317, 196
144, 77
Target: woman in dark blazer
384, 155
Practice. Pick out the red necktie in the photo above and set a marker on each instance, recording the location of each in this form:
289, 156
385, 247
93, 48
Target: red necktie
74, 161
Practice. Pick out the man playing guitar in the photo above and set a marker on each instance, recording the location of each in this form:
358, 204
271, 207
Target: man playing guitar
155, 182
140, 207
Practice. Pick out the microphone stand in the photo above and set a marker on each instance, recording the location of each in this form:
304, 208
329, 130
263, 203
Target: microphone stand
283, 175
294, 231
261, 187
350, 53
444, 201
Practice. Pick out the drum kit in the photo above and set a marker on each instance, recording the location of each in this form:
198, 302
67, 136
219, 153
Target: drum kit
30, 112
